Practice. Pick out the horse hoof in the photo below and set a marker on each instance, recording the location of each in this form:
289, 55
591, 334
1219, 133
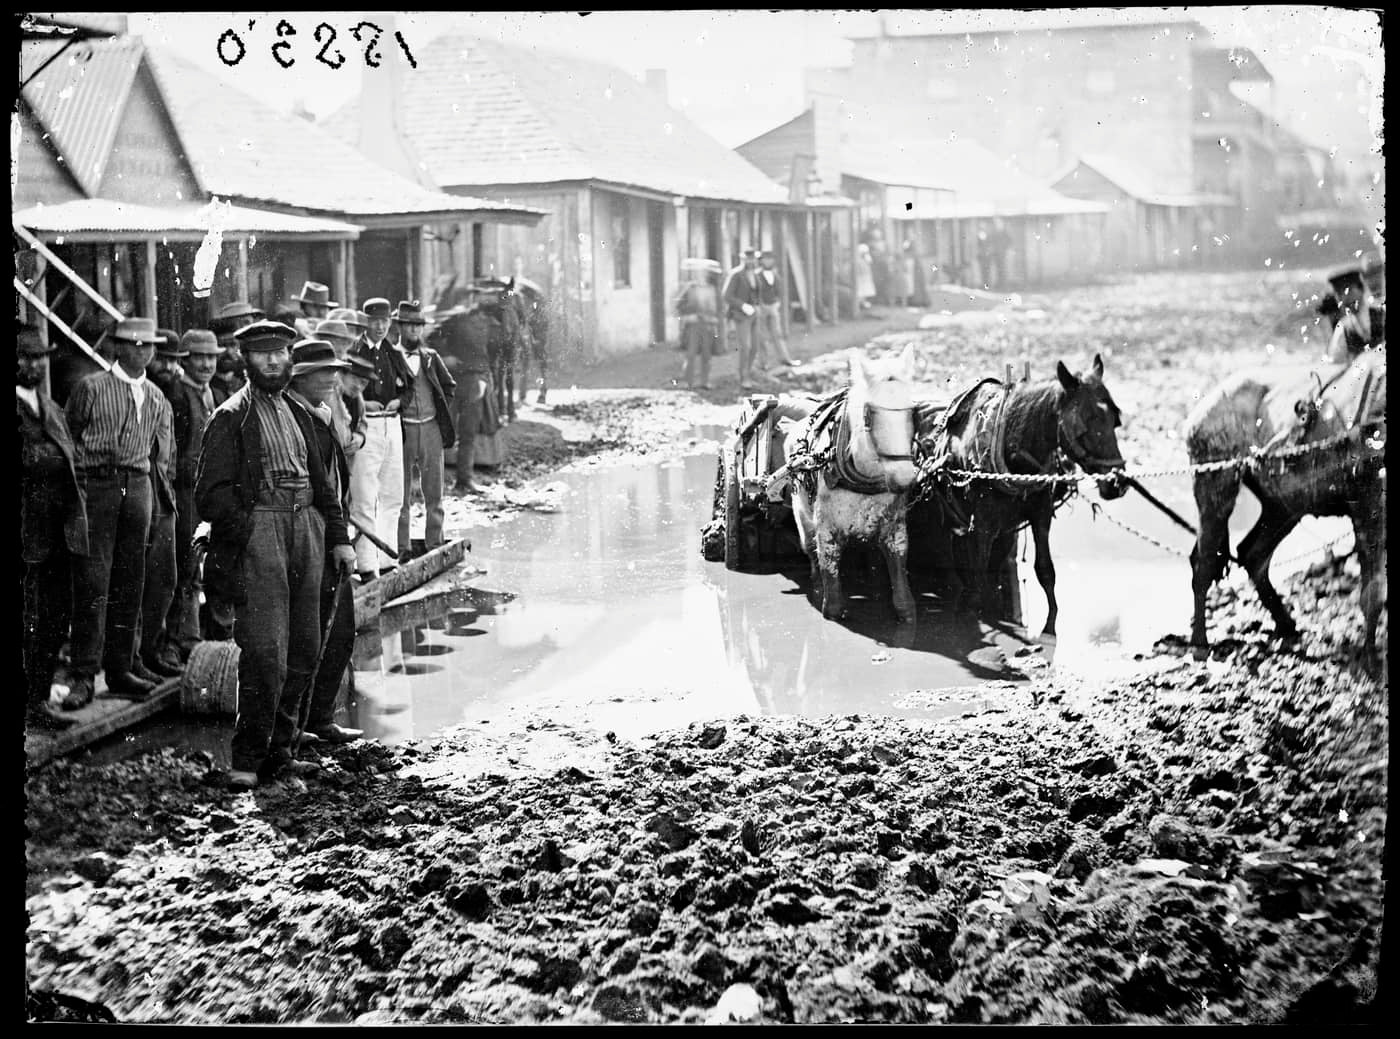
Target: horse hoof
1200, 652
1288, 634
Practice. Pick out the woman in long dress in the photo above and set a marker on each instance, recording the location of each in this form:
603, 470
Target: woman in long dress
865, 277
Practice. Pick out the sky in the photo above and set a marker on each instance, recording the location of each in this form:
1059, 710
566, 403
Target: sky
737, 74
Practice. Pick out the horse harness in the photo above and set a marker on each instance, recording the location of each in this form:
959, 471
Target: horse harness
825, 447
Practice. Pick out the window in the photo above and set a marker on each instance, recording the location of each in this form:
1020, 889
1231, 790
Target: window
621, 243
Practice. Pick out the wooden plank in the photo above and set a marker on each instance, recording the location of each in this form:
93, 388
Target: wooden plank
371, 598
104, 716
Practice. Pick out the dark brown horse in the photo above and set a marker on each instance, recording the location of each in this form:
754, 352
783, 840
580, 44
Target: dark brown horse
498, 299
1042, 428
534, 306
1275, 410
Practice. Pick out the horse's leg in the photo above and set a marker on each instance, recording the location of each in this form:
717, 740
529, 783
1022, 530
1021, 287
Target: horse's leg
1045, 568
1257, 551
510, 379
1215, 495
894, 545
829, 543
542, 361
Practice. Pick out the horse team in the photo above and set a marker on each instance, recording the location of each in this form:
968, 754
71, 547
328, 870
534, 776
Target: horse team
1001, 456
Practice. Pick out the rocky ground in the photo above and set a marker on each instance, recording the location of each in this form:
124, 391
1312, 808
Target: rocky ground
1195, 842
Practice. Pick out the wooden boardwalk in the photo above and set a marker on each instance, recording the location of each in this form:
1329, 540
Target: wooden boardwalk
107, 714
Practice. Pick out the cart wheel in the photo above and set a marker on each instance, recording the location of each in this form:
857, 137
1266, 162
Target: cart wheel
731, 508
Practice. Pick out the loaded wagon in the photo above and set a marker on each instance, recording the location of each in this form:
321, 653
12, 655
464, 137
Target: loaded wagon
752, 526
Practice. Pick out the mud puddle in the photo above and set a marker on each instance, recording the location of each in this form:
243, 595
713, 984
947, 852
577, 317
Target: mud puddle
618, 623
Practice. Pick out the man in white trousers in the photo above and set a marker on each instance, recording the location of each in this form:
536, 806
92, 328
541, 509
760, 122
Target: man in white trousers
376, 473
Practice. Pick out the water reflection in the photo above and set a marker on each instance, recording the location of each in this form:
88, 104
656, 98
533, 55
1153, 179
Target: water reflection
618, 617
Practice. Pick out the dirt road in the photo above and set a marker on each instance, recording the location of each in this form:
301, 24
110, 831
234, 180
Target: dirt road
1194, 842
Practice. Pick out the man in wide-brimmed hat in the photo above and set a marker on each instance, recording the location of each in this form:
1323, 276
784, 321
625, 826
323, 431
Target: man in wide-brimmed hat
1359, 320
376, 472
697, 304
316, 371
768, 329
164, 369
120, 423
52, 526
275, 517
192, 401
316, 304
428, 428
355, 320
345, 419
233, 316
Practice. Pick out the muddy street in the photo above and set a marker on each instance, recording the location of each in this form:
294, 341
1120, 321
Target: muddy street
613, 782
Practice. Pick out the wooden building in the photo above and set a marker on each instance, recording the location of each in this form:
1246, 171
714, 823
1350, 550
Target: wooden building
632, 187
123, 146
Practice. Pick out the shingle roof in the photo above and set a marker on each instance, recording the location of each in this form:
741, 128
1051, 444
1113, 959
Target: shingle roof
103, 215
240, 147
480, 112
79, 98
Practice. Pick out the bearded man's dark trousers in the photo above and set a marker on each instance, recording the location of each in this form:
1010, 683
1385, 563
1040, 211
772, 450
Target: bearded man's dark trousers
46, 608
277, 627
339, 648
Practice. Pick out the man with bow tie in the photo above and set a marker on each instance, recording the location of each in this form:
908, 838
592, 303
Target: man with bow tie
425, 410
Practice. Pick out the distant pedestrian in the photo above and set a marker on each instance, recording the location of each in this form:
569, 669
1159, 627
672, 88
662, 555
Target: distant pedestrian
273, 511
192, 402
118, 420
697, 304
376, 475
428, 427
769, 323
865, 277
52, 526
316, 304
316, 374
741, 308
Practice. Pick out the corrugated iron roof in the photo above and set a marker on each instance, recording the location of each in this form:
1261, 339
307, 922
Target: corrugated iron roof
241, 148
79, 99
104, 215
481, 112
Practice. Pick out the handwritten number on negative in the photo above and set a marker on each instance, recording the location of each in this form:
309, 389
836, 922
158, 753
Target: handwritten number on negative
371, 55
284, 28
321, 54
242, 50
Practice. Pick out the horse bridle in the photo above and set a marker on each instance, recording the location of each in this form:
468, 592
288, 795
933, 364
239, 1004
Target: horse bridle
1071, 435
865, 427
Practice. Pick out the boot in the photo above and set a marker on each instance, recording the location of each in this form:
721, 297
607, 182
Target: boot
466, 463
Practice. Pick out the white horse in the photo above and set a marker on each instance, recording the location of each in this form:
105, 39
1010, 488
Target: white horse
862, 491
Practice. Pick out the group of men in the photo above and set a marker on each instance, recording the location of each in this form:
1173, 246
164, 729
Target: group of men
753, 300
314, 428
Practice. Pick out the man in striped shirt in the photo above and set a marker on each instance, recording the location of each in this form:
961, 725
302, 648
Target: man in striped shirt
272, 509
118, 420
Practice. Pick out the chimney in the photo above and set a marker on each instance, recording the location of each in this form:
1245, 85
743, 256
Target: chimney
656, 80
381, 136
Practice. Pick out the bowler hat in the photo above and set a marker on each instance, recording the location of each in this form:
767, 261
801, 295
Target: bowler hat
311, 355
265, 335
409, 312
362, 366
169, 345
315, 292
333, 329
239, 308
199, 341
750, 254
140, 330
352, 318
377, 307
29, 340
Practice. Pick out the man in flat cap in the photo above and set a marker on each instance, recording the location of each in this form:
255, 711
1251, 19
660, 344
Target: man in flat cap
376, 473
741, 304
428, 427
52, 526
316, 373
263, 488
119, 423
192, 400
